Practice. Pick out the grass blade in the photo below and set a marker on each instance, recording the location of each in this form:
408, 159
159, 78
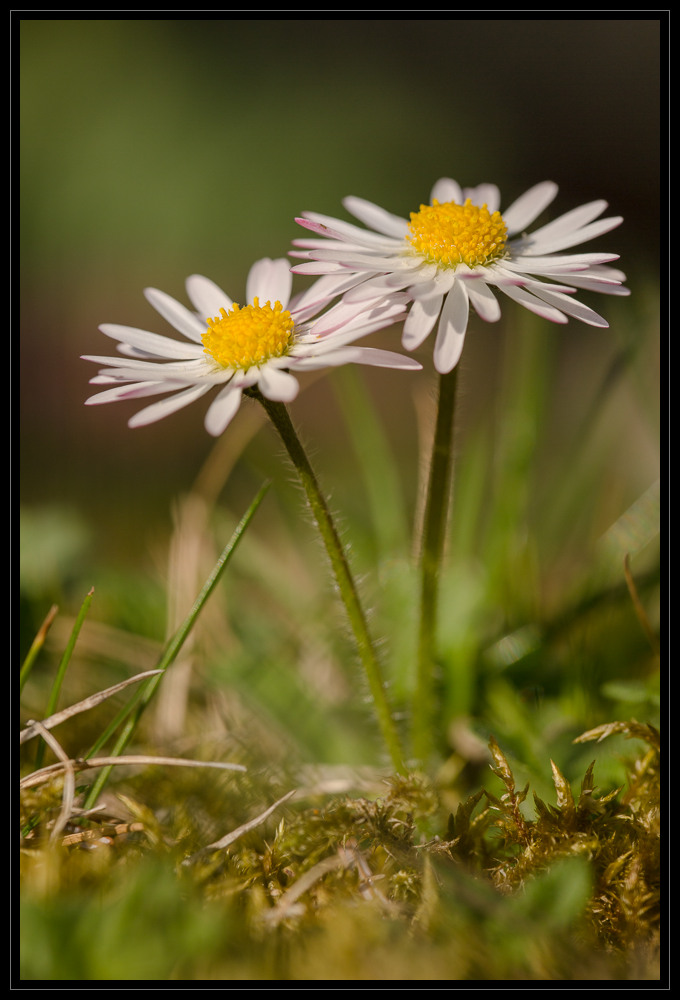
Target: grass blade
63, 665
36, 646
134, 710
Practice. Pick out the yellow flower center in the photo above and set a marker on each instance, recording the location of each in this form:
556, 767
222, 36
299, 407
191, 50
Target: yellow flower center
452, 234
249, 335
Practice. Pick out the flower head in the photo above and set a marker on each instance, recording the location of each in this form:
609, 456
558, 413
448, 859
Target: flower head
234, 348
451, 254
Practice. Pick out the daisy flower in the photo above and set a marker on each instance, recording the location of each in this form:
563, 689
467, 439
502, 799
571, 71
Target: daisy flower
454, 252
233, 348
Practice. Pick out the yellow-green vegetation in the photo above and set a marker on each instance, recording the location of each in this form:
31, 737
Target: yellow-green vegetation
349, 887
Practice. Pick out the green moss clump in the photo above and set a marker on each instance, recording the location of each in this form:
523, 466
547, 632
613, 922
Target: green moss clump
350, 888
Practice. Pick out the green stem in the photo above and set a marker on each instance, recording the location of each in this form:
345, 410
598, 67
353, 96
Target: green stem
434, 538
279, 416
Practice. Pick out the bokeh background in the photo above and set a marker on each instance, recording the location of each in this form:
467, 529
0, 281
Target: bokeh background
154, 149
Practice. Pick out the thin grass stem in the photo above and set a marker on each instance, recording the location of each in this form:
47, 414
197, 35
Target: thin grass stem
36, 646
61, 670
132, 713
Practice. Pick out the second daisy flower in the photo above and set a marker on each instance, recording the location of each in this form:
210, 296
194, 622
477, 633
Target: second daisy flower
452, 253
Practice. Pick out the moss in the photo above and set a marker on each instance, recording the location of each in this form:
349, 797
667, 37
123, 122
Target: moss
351, 888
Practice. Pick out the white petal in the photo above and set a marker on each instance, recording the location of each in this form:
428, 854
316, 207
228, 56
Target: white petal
590, 232
278, 385
331, 358
345, 232
338, 317
135, 370
364, 260
527, 281
176, 314
420, 321
207, 297
539, 242
452, 327
151, 343
133, 352
608, 273
377, 218
107, 380
317, 267
347, 312
593, 283
552, 264
483, 301
572, 307
326, 288
327, 241
356, 328
437, 282
377, 318
150, 414
383, 359
134, 391
533, 304
445, 190
572, 220
355, 355
222, 410
371, 288
269, 281
529, 206
484, 194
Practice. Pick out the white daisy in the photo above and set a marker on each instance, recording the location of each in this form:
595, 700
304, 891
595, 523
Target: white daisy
256, 345
454, 251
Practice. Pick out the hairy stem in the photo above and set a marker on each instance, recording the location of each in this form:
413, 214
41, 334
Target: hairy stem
280, 417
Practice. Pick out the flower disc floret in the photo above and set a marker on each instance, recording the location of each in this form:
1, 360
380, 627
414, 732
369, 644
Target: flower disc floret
244, 336
450, 234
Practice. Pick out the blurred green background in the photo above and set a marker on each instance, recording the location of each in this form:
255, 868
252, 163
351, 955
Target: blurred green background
154, 149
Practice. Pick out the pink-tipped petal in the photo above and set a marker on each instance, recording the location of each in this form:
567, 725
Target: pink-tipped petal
134, 391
